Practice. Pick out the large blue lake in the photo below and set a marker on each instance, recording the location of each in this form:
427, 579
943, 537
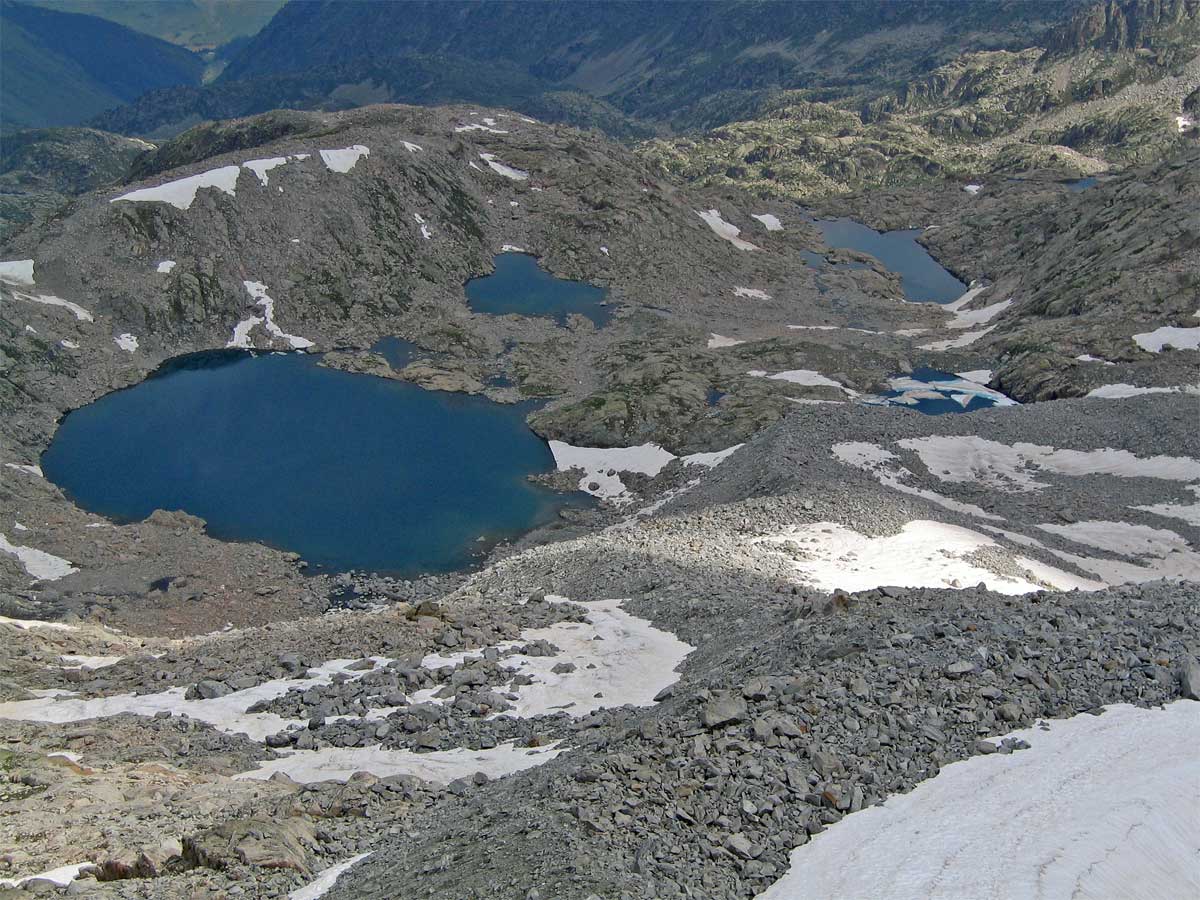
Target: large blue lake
350, 471
519, 285
921, 277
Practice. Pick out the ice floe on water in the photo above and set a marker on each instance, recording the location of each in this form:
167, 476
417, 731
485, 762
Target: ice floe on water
261, 167
325, 879
751, 293
345, 159
928, 391
500, 168
770, 222
181, 192
1168, 336
979, 376
924, 553
241, 331
717, 341
437, 766
1098, 807
127, 342
40, 565
165, 267
726, 230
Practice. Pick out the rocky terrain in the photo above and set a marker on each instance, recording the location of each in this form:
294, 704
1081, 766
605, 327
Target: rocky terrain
792, 602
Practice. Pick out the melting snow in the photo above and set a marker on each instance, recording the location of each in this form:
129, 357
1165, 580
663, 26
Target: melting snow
712, 459
165, 267
965, 340
770, 222
972, 188
512, 248
62, 876
806, 377
325, 880
89, 662
127, 342
17, 271
979, 376
1094, 810
973, 317
25, 624
28, 470
716, 341
181, 193
40, 565
345, 159
961, 389
475, 126
502, 169
241, 331
601, 465
1124, 391
725, 230
1168, 336
425, 232
411, 147
70, 345
1087, 357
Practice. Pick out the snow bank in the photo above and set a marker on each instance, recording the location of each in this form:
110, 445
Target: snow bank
437, 767
1168, 336
965, 340
1124, 391
979, 376
325, 880
725, 230
1009, 467
1099, 807
345, 159
25, 624
1189, 513
770, 222
62, 876
924, 554
261, 167
17, 271
971, 318
716, 341
500, 168
241, 331
127, 342
710, 460
751, 293
805, 377
227, 714
1159, 553
28, 470
40, 565
75, 661
601, 465
181, 193
165, 267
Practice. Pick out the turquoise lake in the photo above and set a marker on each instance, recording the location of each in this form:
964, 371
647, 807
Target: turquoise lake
349, 471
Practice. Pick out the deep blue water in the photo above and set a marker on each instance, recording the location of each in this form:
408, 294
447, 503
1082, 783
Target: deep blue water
943, 405
349, 471
519, 286
921, 278
1082, 184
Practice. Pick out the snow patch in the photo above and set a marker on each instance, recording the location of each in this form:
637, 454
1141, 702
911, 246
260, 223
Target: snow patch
805, 377
25, 624
475, 126
500, 168
411, 147
972, 188
1087, 357
40, 565
965, 340
1093, 810
725, 230
752, 293
770, 222
601, 466
75, 661
1168, 336
62, 876
28, 470
345, 159
973, 317
325, 880
17, 271
181, 193
241, 331
710, 460
1125, 391
425, 232
261, 167
127, 342
716, 341
512, 248
165, 267
979, 376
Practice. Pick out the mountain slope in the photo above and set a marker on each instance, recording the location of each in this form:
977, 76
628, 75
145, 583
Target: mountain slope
60, 68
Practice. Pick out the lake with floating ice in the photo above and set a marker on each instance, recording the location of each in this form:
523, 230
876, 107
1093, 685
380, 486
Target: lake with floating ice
349, 471
518, 285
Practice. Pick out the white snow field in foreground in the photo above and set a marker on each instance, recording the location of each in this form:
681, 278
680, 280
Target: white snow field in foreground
345, 159
1099, 808
725, 230
325, 880
40, 565
1169, 336
924, 553
181, 193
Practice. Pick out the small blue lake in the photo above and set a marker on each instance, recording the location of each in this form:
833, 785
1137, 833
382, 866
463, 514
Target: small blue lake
347, 470
921, 278
519, 285
936, 393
